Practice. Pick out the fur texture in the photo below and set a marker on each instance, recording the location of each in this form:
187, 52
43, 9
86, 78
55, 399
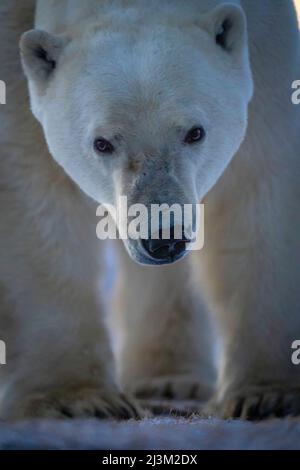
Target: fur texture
142, 76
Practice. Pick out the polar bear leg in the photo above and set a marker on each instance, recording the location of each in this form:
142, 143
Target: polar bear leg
59, 361
165, 338
258, 313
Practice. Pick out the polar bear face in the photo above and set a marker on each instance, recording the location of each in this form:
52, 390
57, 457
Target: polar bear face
153, 113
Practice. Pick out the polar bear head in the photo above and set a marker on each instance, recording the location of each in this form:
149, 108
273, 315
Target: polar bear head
152, 109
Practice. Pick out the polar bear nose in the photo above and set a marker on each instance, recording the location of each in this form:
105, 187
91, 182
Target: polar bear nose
166, 249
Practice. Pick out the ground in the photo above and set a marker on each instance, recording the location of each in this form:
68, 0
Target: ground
162, 432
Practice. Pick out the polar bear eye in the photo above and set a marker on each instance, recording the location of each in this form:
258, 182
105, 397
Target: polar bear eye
103, 146
196, 134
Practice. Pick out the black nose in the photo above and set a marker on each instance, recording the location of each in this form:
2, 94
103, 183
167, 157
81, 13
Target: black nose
166, 249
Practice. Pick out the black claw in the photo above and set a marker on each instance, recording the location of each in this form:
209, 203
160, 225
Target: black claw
278, 410
100, 414
66, 412
238, 409
253, 411
135, 413
267, 405
125, 414
194, 392
168, 392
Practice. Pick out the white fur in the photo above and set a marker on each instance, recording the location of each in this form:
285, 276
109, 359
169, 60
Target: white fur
141, 73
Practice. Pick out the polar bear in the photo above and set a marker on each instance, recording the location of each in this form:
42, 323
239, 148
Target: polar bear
176, 102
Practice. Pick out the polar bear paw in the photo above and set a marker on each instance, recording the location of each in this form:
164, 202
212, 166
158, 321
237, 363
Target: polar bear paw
174, 387
80, 403
258, 403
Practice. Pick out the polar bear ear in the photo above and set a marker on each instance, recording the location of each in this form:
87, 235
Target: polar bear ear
40, 52
228, 26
